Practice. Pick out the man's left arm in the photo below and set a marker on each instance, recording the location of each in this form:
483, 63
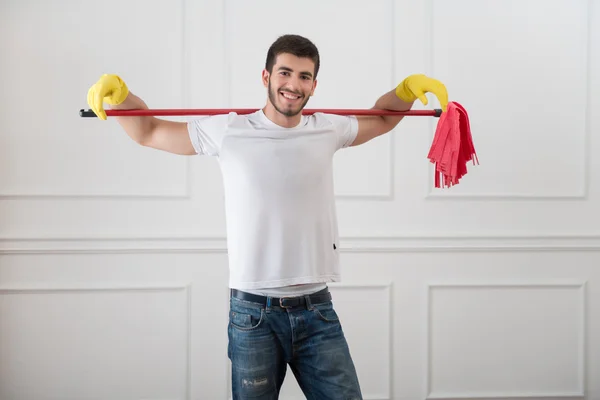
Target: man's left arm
401, 98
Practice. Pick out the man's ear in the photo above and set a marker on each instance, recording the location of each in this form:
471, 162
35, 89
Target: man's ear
265, 77
312, 92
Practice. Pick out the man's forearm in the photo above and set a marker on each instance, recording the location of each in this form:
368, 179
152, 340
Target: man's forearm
401, 98
390, 101
138, 128
369, 127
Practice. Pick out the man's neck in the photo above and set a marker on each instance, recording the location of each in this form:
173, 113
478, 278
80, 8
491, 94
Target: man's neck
279, 119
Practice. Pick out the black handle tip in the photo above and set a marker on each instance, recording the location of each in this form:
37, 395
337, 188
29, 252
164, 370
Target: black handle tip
438, 112
87, 114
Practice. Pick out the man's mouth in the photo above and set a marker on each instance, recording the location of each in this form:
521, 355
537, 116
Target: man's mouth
290, 96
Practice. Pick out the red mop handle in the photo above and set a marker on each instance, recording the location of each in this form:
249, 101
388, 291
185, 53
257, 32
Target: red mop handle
214, 111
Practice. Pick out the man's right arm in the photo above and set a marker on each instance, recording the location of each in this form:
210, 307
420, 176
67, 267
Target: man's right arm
149, 131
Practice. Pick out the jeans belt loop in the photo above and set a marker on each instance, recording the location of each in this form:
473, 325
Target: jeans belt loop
309, 305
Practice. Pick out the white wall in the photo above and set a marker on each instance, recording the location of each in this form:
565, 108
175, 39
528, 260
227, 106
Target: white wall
113, 268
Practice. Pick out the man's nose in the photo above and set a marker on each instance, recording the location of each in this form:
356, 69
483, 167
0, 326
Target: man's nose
293, 85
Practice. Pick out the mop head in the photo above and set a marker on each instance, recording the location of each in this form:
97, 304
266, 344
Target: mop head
452, 146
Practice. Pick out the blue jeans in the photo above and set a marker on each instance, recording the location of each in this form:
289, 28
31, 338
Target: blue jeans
264, 339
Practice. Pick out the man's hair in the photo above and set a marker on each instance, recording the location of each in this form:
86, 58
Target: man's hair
296, 45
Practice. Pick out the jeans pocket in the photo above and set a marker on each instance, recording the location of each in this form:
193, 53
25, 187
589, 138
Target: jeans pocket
246, 320
325, 312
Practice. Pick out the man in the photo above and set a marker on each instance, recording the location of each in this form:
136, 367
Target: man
282, 228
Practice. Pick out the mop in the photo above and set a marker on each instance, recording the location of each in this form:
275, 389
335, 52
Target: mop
451, 150
452, 146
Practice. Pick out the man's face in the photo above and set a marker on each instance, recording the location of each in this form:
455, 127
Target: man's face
290, 84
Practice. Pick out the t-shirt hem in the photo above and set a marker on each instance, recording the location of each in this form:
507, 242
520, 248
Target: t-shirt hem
284, 282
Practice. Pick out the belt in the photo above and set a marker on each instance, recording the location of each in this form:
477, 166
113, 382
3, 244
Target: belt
321, 296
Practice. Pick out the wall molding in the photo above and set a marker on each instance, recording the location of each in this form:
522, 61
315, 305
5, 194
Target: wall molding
575, 284
86, 288
501, 396
583, 193
182, 194
365, 244
386, 287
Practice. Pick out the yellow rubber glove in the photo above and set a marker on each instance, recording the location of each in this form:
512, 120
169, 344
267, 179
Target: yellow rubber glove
415, 86
110, 89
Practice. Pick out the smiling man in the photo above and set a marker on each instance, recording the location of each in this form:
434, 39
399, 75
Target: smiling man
289, 89
282, 232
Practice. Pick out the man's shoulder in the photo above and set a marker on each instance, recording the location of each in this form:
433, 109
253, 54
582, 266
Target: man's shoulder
224, 120
330, 119
228, 117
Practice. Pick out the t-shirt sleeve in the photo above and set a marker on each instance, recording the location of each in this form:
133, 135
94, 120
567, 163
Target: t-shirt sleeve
345, 127
207, 133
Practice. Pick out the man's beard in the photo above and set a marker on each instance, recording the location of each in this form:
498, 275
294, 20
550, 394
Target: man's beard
274, 97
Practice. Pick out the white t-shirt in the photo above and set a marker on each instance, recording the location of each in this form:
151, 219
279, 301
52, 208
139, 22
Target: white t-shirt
279, 195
